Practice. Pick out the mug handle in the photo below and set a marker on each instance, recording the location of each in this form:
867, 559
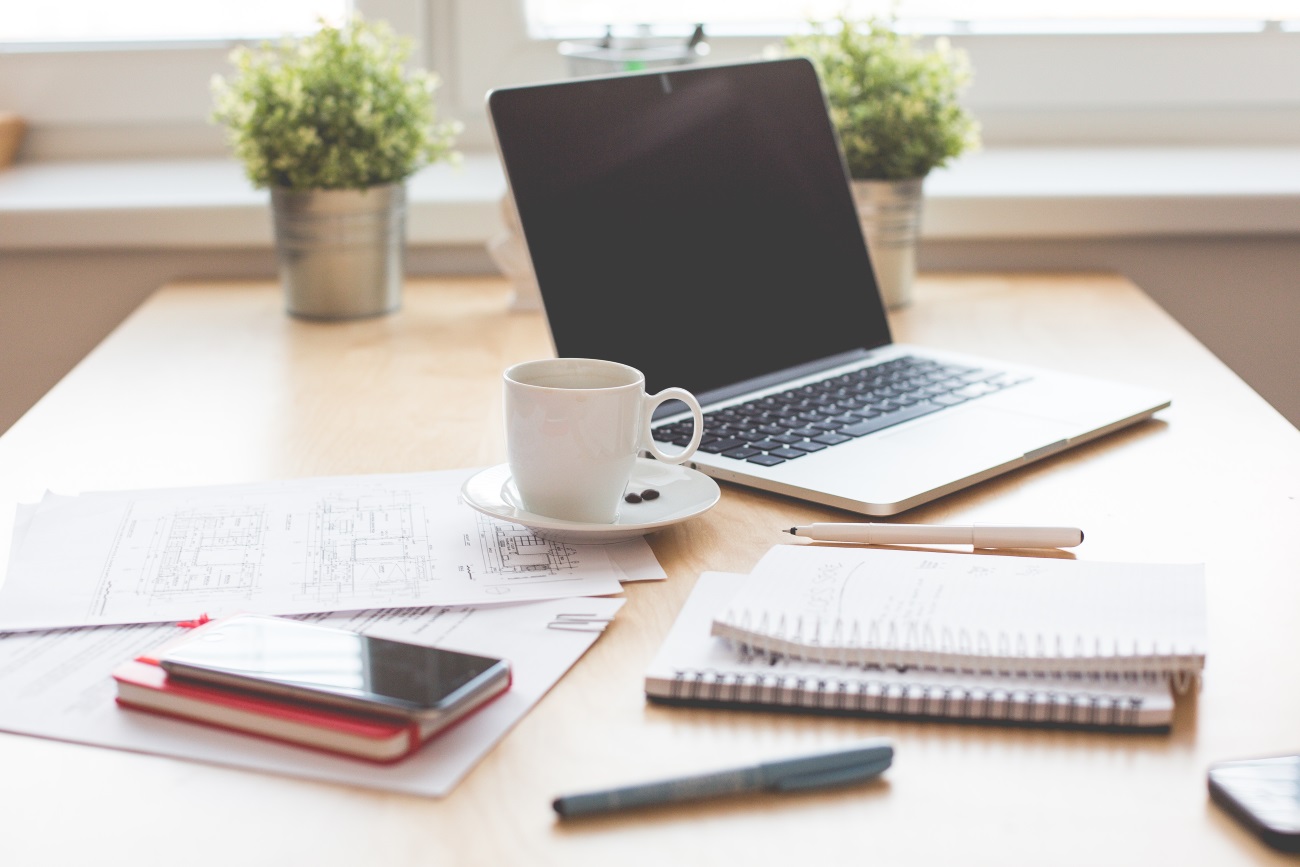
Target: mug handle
652, 401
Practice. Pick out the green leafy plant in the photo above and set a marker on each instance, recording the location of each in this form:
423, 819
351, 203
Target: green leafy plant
894, 103
333, 110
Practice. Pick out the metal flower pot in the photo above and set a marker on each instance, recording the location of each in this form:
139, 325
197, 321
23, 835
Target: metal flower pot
341, 252
890, 212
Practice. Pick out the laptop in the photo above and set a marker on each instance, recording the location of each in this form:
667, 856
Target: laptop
698, 224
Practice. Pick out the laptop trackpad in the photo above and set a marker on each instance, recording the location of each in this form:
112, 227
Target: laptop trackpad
930, 453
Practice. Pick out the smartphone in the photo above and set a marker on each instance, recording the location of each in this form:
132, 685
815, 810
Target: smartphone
1264, 794
322, 665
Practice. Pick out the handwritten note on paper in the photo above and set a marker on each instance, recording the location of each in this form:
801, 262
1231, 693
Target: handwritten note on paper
995, 593
876, 606
309, 545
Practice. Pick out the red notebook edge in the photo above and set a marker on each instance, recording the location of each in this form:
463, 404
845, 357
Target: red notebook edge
144, 686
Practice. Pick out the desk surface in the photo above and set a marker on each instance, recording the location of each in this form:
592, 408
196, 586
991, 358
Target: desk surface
212, 383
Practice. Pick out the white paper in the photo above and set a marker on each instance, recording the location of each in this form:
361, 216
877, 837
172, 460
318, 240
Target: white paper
946, 610
57, 685
636, 561
307, 545
692, 665
1160, 603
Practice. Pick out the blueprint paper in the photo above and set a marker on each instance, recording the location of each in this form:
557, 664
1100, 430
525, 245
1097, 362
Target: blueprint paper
635, 561
302, 546
57, 685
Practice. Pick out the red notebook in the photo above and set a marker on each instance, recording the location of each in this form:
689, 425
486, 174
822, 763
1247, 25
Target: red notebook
143, 685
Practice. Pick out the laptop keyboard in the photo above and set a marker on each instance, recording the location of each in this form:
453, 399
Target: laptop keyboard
788, 425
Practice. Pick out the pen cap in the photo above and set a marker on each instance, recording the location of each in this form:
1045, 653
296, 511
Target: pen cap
838, 777
994, 536
831, 768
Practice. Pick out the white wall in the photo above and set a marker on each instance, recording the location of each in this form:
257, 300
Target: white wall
55, 306
1239, 295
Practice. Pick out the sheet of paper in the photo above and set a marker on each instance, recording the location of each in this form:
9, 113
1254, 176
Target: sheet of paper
57, 685
981, 613
307, 545
925, 596
636, 561
694, 666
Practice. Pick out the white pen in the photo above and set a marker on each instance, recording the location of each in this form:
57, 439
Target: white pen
978, 535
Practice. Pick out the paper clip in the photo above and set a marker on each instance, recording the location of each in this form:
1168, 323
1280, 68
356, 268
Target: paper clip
191, 624
580, 622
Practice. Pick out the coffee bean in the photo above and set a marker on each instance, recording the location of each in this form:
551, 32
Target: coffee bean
649, 494
634, 498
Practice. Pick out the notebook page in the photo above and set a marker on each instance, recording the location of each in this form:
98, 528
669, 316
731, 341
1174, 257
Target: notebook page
922, 608
694, 667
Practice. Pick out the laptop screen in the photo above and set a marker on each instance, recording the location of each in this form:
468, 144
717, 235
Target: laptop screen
695, 224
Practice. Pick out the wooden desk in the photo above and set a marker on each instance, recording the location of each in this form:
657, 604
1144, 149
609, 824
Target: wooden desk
212, 383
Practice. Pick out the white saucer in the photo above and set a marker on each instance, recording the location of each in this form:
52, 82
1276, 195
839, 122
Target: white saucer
683, 493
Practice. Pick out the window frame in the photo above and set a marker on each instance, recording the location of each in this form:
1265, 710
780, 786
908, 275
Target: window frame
1099, 88
146, 99
1120, 89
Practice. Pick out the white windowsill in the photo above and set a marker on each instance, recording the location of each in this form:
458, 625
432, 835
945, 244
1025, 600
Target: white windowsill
1115, 192
1000, 193
208, 203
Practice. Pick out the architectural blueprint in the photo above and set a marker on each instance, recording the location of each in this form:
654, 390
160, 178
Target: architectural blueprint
310, 545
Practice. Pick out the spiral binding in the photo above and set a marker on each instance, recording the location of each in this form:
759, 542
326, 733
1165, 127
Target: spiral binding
948, 649
867, 696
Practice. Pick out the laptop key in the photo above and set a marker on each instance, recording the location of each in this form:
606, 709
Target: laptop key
721, 445
790, 424
890, 419
1006, 380
976, 389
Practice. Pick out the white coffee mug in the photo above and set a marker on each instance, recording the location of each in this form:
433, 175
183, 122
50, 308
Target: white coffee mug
574, 429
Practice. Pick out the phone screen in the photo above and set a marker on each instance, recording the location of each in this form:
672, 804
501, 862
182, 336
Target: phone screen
1265, 794
303, 657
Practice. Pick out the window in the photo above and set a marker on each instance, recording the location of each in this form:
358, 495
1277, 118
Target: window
575, 18
131, 78
1229, 75
93, 21
1229, 72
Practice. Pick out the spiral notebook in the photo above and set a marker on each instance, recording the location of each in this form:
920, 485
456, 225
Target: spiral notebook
695, 668
972, 614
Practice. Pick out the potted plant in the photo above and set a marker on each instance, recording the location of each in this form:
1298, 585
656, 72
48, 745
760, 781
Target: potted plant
895, 106
333, 124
